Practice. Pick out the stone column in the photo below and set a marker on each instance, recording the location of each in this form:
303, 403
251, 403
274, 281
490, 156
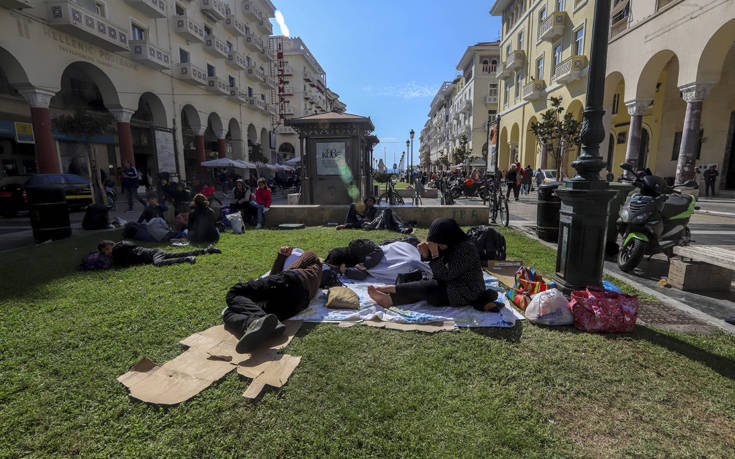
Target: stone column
512, 153
636, 109
693, 94
125, 135
201, 151
39, 100
221, 144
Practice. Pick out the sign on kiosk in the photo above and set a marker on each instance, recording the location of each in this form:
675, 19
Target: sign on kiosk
330, 158
24, 133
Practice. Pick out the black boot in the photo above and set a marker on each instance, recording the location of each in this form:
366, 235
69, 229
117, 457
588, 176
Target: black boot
258, 331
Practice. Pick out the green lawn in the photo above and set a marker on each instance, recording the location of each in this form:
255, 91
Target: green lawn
398, 185
528, 391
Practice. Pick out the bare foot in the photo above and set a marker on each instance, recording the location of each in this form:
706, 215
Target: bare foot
386, 289
339, 227
383, 299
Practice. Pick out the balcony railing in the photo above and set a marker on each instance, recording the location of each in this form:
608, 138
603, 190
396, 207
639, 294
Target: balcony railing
273, 109
534, 90
491, 100
254, 42
215, 9
308, 75
216, 46
235, 25
16, 4
260, 104
188, 28
238, 94
237, 60
218, 85
287, 110
515, 60
270, 53
286, 69
286, 90
570, 69
151, 8
553, 26
150, 55
270, 82
248, 7
88, 26
192, 73
466, 105
260, 75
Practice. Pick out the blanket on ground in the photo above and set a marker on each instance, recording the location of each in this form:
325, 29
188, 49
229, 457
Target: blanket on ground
402, 259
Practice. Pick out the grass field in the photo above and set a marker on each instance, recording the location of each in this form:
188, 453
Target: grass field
527, 391
397, 185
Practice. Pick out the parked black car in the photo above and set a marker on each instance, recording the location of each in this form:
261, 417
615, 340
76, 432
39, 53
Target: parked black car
13, 197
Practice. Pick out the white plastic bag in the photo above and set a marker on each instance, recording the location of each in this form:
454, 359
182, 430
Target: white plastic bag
236, 222
549, 308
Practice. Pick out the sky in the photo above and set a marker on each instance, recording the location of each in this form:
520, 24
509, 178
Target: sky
387, 58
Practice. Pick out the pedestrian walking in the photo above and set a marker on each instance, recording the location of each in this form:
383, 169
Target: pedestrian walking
710, 177
512, 179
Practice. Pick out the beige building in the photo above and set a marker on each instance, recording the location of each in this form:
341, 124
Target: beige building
302, 90
545, 47
183, 81
670, 89
462, 107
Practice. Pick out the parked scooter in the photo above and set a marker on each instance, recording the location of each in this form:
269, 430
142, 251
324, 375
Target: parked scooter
471, 188
654, 220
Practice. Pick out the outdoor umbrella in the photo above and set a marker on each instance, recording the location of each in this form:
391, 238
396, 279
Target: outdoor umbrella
221, 162
294, 161
245, 164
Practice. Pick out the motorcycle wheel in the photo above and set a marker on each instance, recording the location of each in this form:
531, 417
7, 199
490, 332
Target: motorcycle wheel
455, 193
631, 255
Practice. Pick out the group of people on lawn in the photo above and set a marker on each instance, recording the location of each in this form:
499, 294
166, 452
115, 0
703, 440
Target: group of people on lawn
256, 308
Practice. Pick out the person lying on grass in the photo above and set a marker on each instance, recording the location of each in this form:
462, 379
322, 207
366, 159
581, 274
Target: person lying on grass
457, 273
354, 260
125, 253
256, 308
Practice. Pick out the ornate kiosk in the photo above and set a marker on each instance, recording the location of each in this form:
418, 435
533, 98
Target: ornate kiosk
336, 165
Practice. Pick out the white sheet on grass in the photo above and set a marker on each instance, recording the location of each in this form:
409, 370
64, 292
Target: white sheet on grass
384, 274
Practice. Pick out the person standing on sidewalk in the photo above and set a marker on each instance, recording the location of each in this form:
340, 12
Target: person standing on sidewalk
130, 183
710, 177
511, 178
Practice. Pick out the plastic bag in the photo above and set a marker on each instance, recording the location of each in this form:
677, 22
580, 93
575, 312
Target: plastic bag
549, 308
597, 310
528, 282
236, 223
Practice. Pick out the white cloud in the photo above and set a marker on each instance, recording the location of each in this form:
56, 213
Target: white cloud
282, 23
411, 90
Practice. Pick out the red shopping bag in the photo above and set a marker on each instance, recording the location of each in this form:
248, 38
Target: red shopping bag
597, 310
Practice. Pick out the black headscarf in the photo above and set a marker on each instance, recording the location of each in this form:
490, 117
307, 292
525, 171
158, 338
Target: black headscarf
446, 231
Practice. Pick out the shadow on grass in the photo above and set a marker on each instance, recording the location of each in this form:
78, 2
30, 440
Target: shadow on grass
723, 365
510, 334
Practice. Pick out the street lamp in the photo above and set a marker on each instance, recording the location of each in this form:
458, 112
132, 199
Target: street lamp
411, 134
583, 218
409, 173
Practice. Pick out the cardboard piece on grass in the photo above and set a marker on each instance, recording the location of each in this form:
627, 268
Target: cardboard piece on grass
426, 328
504, 271
211, 355
267, 368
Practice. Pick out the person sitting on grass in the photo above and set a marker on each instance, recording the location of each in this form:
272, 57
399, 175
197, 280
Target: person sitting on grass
125, 253
152, 206
202, 221
256, 308
457, 273
355, 219
263, 200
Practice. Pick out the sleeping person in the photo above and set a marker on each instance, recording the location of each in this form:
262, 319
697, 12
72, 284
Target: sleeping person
356, 259
457, 278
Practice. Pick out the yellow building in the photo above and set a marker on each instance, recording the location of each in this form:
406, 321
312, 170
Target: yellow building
544, 51
670, 87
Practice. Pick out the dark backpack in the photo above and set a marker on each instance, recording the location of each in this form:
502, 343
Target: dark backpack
96, 218
490, 243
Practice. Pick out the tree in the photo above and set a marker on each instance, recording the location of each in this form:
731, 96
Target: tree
84, 125
461, 153
443, 161
557, 131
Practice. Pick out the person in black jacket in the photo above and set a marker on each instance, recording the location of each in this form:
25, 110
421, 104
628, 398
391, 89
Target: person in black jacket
457, 273
354, 260
354, 219
125, 253
202, 221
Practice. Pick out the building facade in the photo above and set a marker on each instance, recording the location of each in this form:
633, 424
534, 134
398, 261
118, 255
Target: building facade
302, 91
181, 82
544, 49
461, 109
670, 87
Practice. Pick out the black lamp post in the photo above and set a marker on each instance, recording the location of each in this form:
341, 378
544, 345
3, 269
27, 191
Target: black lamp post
584, 212
411, 134
408, 163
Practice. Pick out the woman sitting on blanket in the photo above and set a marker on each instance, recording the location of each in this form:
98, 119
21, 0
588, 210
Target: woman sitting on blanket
457, 273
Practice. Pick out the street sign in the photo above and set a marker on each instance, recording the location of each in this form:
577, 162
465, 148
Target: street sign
24, 133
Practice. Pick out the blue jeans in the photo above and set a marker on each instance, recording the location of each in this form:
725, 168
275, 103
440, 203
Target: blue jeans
260, 211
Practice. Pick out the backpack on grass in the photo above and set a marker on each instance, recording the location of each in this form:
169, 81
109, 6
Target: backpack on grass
490, 243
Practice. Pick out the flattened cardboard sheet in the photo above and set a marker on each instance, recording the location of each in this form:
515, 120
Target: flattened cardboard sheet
211, 355
426, 328
504, 270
